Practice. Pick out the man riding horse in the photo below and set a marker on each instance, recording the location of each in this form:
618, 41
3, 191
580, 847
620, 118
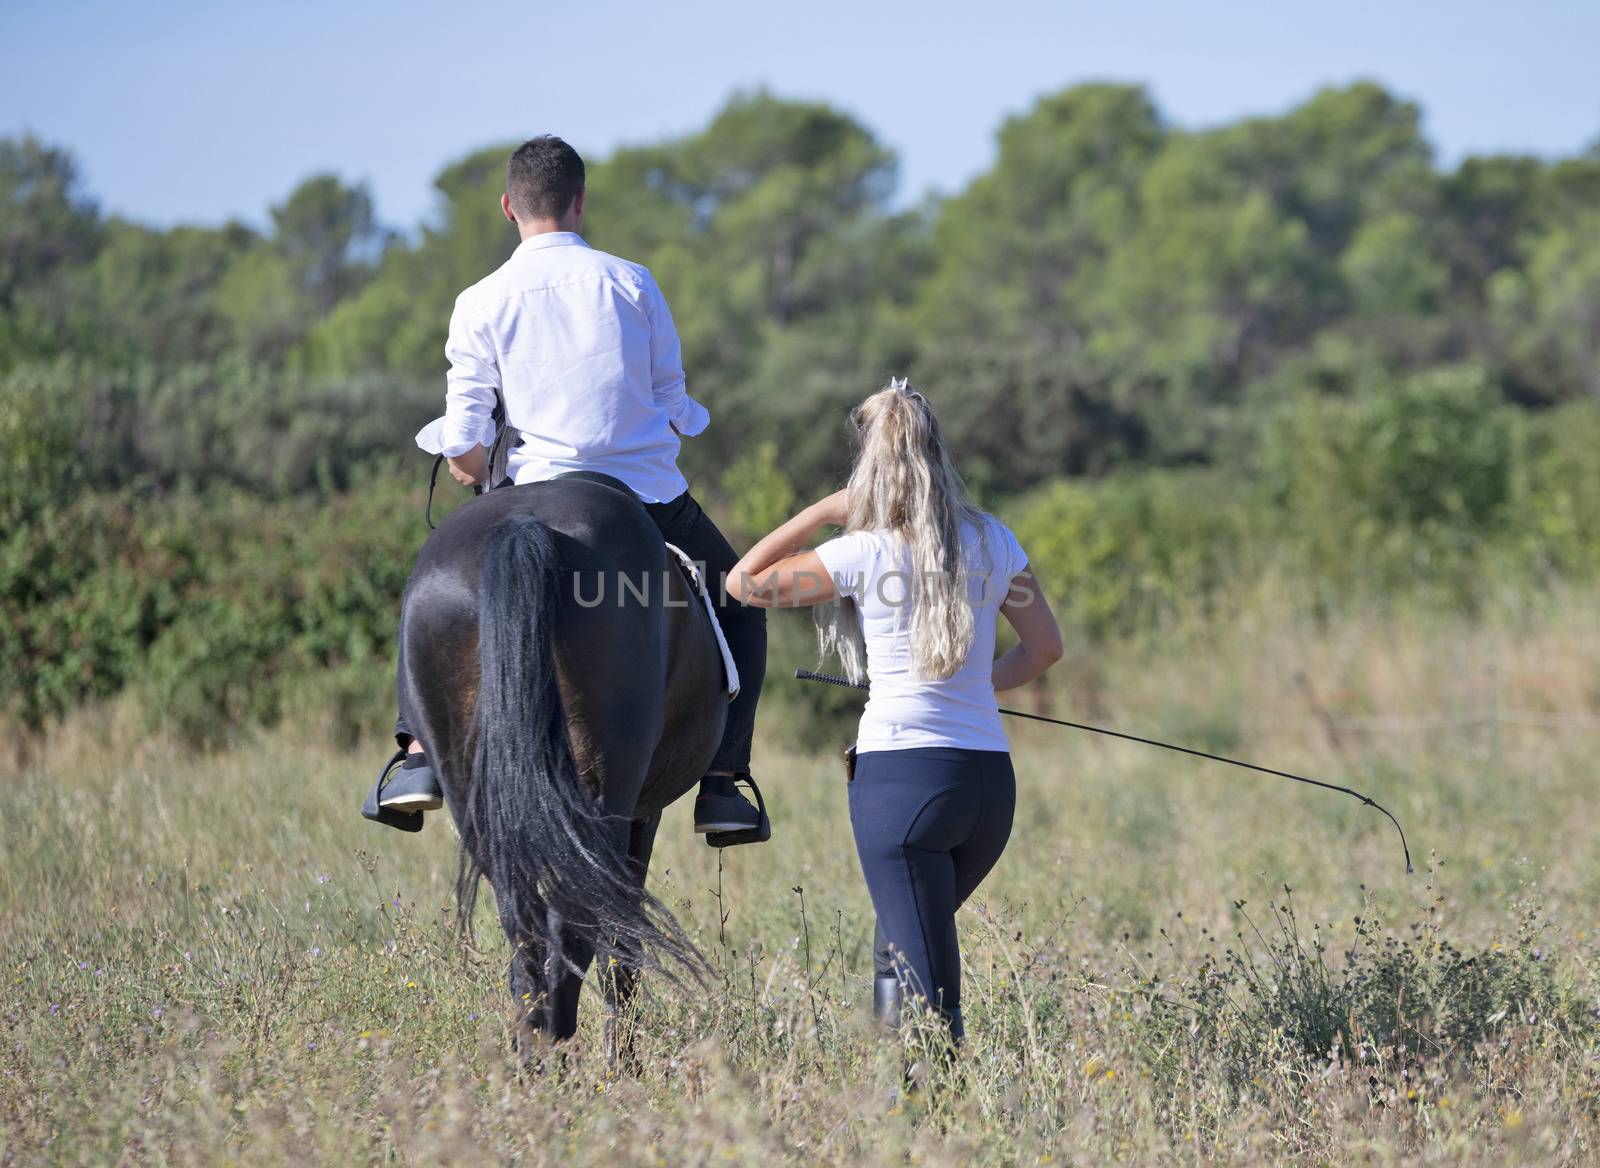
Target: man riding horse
575, 351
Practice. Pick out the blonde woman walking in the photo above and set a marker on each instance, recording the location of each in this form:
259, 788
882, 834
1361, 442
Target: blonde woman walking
910, 594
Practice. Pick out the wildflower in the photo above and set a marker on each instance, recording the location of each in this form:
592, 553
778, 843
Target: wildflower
324, 878
55, 1007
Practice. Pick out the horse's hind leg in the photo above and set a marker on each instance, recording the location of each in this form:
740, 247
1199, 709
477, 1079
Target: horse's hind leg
566, 981
545, 988
621, 979
530, 999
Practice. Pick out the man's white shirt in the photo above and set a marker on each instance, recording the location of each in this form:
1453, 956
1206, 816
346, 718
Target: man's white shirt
584, 353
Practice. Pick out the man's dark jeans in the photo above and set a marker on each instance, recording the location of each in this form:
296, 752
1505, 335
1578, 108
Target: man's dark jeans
683, 524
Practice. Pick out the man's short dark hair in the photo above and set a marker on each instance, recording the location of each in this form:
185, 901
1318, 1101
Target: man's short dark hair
543, 177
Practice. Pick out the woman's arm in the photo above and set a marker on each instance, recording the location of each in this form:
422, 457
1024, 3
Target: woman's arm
778, 572
1038, 644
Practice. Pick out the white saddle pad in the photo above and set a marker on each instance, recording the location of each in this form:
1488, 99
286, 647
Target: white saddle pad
697, 582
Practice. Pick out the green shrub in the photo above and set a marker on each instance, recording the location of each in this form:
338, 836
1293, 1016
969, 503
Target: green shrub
38, 437
228, 423
1560, 525
215, 607
84, 590
1122, 555
1403, 485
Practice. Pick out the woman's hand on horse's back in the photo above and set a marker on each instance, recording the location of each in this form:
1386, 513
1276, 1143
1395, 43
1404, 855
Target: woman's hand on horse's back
778, 572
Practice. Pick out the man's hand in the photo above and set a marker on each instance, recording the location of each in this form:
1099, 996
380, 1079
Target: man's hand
471, 468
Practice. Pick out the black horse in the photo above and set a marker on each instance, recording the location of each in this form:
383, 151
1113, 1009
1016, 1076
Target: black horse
568, 686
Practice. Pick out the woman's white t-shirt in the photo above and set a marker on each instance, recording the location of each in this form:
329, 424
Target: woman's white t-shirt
904, 710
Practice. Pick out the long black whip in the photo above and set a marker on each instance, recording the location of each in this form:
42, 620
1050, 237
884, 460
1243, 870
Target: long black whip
828, 679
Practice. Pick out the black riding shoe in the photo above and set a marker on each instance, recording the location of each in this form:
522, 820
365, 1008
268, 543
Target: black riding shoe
413, 787
727, 818
403, 793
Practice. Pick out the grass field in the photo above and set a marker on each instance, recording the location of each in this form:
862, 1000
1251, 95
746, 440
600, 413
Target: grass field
213, 959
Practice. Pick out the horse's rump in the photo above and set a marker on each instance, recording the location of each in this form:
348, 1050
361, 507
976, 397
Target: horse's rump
541, 687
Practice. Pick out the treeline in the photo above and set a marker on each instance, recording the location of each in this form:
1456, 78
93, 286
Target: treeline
1171, 357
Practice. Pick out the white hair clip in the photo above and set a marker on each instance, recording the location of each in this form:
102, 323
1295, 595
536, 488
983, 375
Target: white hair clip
903, 384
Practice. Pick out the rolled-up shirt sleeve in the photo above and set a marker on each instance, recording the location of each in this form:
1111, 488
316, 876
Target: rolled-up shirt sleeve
667, 381
472, 385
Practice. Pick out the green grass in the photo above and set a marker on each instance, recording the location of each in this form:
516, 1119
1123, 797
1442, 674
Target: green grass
212, 958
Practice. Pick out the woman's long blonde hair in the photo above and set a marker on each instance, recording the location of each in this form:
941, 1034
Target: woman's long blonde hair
903, 483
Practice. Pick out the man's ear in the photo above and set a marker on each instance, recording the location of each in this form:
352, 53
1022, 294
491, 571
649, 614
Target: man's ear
505, 206
577, 209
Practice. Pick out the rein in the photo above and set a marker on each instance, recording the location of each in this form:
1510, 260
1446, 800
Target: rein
498, 453
827, 679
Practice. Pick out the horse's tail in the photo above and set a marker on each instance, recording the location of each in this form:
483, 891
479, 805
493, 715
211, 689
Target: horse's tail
556, 861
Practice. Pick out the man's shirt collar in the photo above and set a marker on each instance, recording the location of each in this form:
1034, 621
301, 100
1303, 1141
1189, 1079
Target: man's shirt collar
552, 239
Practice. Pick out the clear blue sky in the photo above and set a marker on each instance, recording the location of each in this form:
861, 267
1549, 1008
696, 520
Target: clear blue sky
187, 111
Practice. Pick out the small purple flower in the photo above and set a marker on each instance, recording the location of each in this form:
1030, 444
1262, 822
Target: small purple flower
99, 973
188, 954
472, 1017
324, 878
158, 1011
311, 1046
83, 965
55, 1007
395, 902
316, 951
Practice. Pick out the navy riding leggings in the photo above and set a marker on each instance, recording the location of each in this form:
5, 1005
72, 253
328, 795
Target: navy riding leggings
929, 824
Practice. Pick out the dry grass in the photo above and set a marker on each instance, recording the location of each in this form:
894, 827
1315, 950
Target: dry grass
214, 959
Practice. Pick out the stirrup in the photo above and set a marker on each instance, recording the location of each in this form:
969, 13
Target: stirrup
404, 820
887, 997
758, 834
